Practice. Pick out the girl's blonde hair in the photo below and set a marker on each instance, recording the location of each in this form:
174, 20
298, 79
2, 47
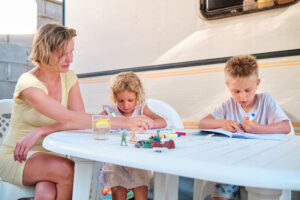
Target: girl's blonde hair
127, 81
48, 38
242, 66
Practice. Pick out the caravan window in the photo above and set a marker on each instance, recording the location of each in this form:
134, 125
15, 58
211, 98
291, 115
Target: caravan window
214, 9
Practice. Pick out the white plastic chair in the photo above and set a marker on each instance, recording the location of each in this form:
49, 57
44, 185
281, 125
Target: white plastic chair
173, 121
10, 191
167, 112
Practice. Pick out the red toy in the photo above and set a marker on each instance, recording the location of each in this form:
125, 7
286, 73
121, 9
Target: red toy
168, 144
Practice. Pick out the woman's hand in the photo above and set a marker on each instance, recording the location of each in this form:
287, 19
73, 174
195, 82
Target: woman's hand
25, 144
231, 126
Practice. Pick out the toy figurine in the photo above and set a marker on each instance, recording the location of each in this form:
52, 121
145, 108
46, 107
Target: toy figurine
123, 139
133, 138
168, 144
156, 138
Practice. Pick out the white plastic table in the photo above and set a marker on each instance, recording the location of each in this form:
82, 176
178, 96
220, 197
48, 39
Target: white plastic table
254, 163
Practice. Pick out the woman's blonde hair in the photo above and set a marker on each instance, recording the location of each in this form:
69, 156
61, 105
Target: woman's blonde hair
48, 38
242, 66
127, 81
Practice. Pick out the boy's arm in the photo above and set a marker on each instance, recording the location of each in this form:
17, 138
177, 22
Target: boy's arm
278, 127
209, 122
159, 122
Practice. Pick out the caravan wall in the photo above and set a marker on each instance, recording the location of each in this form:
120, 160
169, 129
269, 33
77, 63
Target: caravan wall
147, 36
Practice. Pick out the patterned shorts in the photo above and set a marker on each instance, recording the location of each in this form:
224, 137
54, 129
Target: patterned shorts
226, 191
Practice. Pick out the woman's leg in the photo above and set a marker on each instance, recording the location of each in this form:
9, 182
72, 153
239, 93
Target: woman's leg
140, 193
45, 191
44, 167
118, 193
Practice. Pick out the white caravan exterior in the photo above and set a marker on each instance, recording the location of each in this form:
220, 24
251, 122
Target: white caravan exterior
143, 35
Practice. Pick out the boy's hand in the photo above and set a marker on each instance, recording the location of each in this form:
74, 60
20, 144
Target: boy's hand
250, 126
231, 126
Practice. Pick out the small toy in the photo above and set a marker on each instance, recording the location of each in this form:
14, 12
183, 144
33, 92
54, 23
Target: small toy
133, 137
144, 143
174, 135
123, 139
147, 144
160, 149
181, 133
160, 136
168, 144
156, 138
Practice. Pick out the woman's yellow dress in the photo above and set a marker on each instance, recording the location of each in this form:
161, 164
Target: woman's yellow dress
23, 120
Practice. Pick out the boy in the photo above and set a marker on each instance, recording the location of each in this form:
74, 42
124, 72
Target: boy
241, 75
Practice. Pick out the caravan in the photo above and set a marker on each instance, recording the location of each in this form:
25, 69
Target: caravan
179, 49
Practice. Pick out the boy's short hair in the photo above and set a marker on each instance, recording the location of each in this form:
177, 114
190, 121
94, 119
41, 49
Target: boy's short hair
127, 81
48, 38
241, 66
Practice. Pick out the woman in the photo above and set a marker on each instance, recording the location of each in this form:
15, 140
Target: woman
48, 99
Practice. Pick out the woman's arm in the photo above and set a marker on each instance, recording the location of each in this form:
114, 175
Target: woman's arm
51, 108
159, 122
75, 101
67, 119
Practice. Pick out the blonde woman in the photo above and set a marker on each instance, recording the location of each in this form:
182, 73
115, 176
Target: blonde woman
47, 99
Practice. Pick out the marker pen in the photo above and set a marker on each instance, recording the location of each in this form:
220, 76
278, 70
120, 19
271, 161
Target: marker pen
251, 117
112, 113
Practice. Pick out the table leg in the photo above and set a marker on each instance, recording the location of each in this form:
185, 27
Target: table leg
263, 194
82, 178
165, 186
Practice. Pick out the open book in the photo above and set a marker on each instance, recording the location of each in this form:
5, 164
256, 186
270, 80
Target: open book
276, 136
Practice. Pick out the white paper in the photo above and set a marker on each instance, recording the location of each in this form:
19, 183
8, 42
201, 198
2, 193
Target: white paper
273, 136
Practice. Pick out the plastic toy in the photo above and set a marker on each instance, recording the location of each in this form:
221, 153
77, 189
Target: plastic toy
156, 138
133, 137
144, 143
181, 133
160, 136
168, 144
106, 195
123, 139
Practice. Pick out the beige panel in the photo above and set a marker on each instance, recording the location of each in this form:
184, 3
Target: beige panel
194, 92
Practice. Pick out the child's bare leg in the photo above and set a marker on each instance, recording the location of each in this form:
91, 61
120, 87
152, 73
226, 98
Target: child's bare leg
119, 193
140, 193
43, 168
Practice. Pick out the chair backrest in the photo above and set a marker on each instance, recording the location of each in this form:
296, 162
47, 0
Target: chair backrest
5, 114
167, 112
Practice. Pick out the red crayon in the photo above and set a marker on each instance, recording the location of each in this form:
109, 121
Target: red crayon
181, 133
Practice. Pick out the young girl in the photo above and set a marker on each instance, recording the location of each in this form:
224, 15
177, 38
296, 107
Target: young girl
127, 92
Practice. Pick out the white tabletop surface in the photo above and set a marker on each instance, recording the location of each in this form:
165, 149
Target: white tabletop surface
247, 162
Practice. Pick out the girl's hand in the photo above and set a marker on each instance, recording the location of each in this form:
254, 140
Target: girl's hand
24, 145
250, 126
140, 123
231, 126
150, 121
